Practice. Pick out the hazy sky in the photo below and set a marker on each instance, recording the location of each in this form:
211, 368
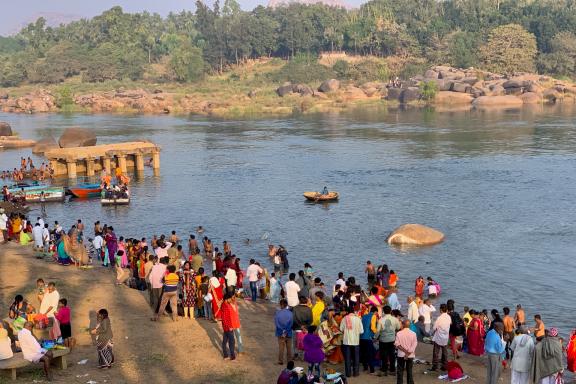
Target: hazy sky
14, 13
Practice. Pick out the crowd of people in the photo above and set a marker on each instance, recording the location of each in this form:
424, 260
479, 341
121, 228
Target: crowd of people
27, 170
360, 325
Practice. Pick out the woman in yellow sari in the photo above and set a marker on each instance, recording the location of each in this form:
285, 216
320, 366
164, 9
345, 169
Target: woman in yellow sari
16, 227
318, 309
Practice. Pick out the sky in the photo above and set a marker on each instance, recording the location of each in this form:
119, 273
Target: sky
13, 14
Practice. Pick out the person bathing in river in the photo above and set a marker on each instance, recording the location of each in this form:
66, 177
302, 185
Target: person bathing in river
325, 191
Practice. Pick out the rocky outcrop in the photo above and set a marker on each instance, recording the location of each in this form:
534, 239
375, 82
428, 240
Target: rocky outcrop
410, 94
44, 145
39, 101
453, 98
15, 142
5, 129
329, 86
416, 235
531, 98
284, 90
509, 101
77, 137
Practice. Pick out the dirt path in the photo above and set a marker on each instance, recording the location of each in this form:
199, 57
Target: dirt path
187, 351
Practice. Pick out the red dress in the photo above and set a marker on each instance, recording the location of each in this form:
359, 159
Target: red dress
217, 298
476, 334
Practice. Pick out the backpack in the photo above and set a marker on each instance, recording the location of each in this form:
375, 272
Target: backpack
457, 327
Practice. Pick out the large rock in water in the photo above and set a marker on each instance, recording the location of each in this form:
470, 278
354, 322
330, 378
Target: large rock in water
77, 137
484, 102
415, 234
453, 98
5, 129
44, 145
329, 86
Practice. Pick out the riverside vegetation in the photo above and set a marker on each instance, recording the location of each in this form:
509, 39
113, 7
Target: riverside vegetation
229, 62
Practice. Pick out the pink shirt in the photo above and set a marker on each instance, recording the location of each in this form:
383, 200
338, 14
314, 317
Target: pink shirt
156, 275
408, 340
63, 315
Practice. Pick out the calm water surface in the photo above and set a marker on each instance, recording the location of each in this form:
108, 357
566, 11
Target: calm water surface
499, 185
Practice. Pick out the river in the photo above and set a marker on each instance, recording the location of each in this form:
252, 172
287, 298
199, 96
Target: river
500, 186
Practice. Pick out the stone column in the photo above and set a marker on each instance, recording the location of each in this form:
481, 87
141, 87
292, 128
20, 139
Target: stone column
139, 162
107, 165
156, 159
54, 165
71, 167
122, 163
89, 167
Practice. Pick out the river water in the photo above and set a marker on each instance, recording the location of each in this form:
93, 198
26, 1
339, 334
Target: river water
500, 185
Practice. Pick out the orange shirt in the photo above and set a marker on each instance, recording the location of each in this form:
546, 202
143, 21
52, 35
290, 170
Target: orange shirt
540, 328
393, 280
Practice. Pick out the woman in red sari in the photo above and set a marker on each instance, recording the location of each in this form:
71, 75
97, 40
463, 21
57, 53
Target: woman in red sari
476, 334
419, 286
216, 289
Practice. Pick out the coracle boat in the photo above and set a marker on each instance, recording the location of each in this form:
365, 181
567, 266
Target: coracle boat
85, 190
109, 197
317, 196
32, 193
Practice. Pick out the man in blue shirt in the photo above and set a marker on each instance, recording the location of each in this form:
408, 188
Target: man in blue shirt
494, 346
367, 351
283, 320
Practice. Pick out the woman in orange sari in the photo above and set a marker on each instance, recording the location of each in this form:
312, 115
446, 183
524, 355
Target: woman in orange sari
216, 289
331, 336
475, 335
393, 280
419, 286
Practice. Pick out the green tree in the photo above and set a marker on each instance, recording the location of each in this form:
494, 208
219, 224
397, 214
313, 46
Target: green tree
186, 63
562, 58
463, 49
509, 48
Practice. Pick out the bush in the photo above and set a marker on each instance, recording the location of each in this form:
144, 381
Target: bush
64, 97
429, 89
342, 69
302, 69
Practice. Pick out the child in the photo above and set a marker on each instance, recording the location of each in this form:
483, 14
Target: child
205, 297
63, 317
40, 287
313, 353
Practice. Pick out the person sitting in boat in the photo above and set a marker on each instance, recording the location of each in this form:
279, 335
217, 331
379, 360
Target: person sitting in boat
325, 191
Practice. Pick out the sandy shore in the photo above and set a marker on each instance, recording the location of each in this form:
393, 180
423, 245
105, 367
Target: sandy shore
187, 351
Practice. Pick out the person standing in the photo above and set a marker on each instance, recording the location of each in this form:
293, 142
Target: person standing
370, 274
292, 290
313, 351
386, 330
49, 303
367, 352
475, 335
228, 313
413, 313
302, 319
406, 343
231, 280
548, 362
440, 337
539, 329
426, 310
520, 316
283, 320
494, 346
522, 347
46, 238
4, 225
169, 294
351, 328
103, 333
508, 322
253, 273
156, 275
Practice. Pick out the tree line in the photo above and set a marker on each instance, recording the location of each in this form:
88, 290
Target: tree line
497, 35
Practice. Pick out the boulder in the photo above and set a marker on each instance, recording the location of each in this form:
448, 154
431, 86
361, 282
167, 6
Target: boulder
551, 95
285, 90
302, 89
329, 86
77, 137
497, 90
477, 92
354, 93
534, 87
513, 84
513, 91
370, 91
531, 98
444, 85
415, 234
431, 74
452, 98
394, 93
5, 129
319, 95
509, 101
410, 94
460, 87
44, 145
470, 80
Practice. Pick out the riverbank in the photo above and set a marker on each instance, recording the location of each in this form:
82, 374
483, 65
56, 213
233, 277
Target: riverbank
254, 91
187, 351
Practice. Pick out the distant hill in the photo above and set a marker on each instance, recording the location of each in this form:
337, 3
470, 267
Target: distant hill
53, 19
331, 3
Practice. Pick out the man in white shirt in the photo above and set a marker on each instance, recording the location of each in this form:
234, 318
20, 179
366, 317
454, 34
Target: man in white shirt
3, 227
98, 243
253, 272
231, 280
292, 289
162, 250
412, 310
32, 350
441, 334
156, 275
40, 221
351, 328
406, 343
46, 238
426, 310
37, 235
50, 301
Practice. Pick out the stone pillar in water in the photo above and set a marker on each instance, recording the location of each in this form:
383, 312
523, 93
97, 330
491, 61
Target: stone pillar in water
71, 168
89, 167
